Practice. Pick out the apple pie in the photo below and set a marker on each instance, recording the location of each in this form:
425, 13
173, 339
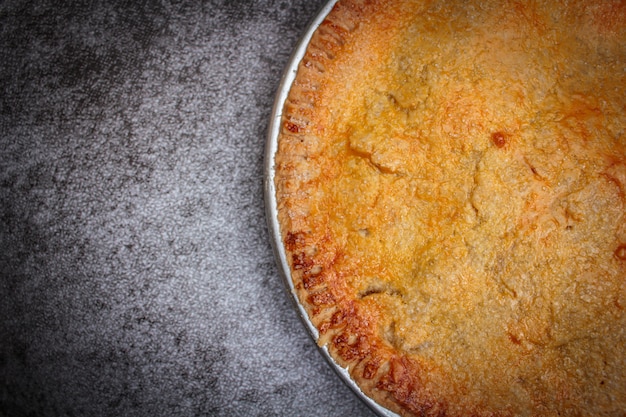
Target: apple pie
451, 193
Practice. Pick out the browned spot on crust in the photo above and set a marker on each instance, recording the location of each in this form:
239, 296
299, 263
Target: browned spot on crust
371, 368
324, 327
321, 299
620, 252
513, 338
350, 351
294, 240
311, 280
292, 127
338, 318
499, 139
301, 261
610, 17
401, 383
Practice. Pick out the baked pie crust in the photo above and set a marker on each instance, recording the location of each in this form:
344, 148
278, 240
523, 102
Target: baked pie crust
450, 181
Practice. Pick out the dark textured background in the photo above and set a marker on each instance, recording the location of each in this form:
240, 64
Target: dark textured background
137, 276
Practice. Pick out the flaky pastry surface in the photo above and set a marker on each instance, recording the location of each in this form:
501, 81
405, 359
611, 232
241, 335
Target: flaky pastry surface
450, 182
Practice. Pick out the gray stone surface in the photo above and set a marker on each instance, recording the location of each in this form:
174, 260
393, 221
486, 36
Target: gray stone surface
137, 277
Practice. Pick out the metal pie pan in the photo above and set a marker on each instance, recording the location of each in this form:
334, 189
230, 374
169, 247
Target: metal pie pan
271, 208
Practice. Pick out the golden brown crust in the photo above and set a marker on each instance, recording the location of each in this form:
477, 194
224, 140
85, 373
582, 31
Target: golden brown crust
450, 185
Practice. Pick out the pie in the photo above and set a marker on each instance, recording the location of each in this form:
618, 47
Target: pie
451, 193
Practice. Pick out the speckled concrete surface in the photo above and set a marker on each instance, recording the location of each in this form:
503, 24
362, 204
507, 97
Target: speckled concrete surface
137, 276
